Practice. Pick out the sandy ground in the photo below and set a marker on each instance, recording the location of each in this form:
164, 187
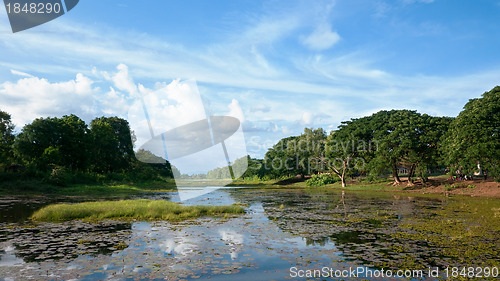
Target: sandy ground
477, 187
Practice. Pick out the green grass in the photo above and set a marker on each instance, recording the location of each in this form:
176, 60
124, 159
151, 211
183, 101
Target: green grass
34, 187
140, 209
355, 186
254, 183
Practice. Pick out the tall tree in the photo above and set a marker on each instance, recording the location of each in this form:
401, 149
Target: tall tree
406, 139
112, 148
350, 147
277, 161
474, 136
308, 151
60, 141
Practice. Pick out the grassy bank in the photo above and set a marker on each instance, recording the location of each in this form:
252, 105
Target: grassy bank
37, 187
272, 184
139, 209
436, 185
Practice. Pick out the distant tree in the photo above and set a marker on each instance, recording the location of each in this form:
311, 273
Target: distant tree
254, 169
147, 156
6, 138
308, 151
277, 160
474, 136
112, 148
149, 165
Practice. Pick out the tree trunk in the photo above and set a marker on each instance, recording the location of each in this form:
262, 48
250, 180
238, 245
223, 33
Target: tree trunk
345, 164
411, 173
395, 174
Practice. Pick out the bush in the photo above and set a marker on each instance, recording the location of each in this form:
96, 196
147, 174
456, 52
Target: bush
59, 176
322, 179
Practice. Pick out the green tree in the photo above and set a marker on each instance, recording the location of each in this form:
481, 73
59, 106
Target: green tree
278, 162
112, 148
350, 147
308, 151
6, 138
474, 136
61, 141
75, 143
406, 139
427, 155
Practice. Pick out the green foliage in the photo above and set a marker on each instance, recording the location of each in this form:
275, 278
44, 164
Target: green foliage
277, 162
250, 167
322, 179
407, 139
350, 147
6, 139
474, 136
63, 151
112, 144
140, 209
59, 176
302, 155
60, 141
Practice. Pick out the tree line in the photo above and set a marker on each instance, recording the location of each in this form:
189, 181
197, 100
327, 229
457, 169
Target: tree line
384, 143
388, 142
59, 149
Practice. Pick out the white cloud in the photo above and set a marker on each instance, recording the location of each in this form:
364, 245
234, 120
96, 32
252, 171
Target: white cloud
236, 111
322, 38
123, 81
307, 118
15, 72
168, 106
114, 103
30, 98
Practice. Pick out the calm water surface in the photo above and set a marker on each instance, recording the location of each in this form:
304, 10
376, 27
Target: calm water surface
280, 230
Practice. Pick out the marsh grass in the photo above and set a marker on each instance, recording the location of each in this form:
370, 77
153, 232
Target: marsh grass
140, 209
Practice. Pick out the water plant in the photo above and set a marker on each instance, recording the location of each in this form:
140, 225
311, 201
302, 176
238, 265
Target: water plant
140, 209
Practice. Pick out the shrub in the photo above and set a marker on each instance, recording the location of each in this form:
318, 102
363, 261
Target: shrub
322, 179
59, 176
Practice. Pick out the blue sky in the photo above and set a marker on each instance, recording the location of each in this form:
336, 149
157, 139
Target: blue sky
278, 65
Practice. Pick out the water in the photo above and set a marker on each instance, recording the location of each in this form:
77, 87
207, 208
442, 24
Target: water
281, 230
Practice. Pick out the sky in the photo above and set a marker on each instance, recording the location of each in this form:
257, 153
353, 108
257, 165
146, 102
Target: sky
279, 66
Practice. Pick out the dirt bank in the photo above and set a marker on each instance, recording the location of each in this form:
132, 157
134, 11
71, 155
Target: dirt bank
477, 187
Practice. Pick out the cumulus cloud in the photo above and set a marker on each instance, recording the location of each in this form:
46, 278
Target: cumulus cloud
123, 80
167, 106
321, 38
33, 97
236, 111
307, 118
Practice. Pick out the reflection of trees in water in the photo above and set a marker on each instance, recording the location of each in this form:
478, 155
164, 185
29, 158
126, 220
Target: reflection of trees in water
363, 226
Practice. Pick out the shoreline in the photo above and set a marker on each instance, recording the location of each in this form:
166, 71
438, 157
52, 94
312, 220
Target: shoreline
436, 185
